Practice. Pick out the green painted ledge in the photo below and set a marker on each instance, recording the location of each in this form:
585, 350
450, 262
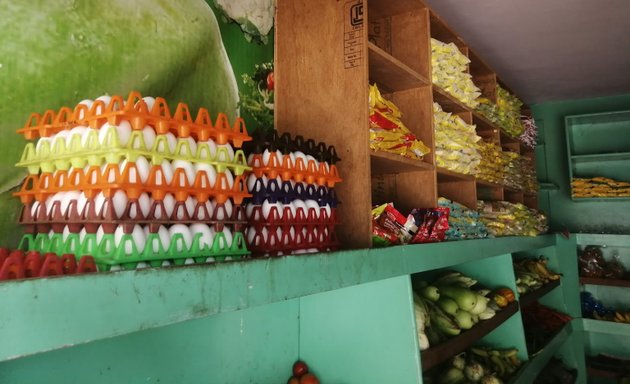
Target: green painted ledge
603, 239
45, 314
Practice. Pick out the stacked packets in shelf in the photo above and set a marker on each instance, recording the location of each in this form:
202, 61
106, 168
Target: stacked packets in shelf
493, 164
293, 205
455, 142
506, 113
449, 72
599, 187
503, 218
463, 223
132, 185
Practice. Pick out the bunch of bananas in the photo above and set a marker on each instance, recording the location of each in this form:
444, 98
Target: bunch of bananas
448, 306
504, 363
616, 316
532, 273
479, 365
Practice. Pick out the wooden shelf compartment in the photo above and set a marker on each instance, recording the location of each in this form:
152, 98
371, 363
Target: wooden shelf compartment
486, 130
448, 102
389, 73
403, 33
407, 190
513, 196
439, 30
442, 352
509, 143
530, 297
489, 191
483, 76
603, 281
457, 187
391, 163
530, 201
379, 9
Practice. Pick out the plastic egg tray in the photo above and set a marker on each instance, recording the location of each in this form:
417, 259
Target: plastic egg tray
136, 110
90, 214
276, 240
79, 152
109, 252
289, 215
19, 265
111, 178
274, 190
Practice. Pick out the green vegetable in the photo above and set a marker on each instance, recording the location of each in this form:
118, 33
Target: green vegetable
465, 298
430, 292
474, 372
452, 376
464, 319
448, 305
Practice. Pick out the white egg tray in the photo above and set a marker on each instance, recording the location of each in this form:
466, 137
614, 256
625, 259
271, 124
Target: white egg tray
76, 210
82, 146
130, 245
181, 179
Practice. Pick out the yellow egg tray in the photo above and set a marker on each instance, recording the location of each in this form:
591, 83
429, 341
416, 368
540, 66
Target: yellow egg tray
107, 254
135, 110
49, 157
112, 178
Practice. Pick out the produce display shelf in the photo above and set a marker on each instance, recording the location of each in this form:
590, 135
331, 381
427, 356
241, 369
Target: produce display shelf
601, 157
603, 239
598, 199
536, 364
533, 296
600, 326
163, 296
443, 351
601, 373
602, 281
386, 163
390, 74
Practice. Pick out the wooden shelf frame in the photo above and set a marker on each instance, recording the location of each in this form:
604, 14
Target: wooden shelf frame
605, 282
533, 296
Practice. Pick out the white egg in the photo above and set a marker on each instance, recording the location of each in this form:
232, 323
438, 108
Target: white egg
249, 211
105, 99
312, 204
189, 170
299, 206
163, 237
291, 209
119, 201
65, 233
300, 155
100, 232
210, 172
266, 157
166, 263
251, 182
149, 101
82, 234
169, 205
137, 236
144, 169
189, 261
88, 103
251, 234
144, 203
225, 155
227, 233
148, 135
99, 200
142, 265
227, 182
192, 144
167, 170
189, 205
68, 197
79, 130
226, 212
89, 136
34, 209
172, 142
210, 259
51, 233
207, 234
185, 242
280, 157
124, 132
108, 173
310, 159
327, 210
115, 268
103, 133
52, 199
291, 161
264, 236
250, 159
209, 208
267, 208
59, 138
41, 142
212, 148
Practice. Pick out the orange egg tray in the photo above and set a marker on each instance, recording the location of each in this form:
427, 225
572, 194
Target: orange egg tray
19, 265
90, 219
311, 173
135, 110
111, 178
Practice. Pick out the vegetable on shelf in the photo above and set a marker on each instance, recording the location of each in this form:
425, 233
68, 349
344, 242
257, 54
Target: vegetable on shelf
541, 323
532, 273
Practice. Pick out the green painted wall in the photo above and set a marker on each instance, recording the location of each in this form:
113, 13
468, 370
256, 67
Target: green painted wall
551, 156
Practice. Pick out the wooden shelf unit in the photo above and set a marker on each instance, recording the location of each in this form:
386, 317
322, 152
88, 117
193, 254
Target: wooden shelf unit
321, 92
530, 297
605, 282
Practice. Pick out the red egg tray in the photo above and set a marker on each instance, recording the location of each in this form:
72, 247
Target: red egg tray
284, 217
16, 265
320, 237
89, 219
135, 110
111, 179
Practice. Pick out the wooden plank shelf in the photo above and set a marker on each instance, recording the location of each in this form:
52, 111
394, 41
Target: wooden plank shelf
596, 199
444, 174
488, 184
533, 296
390, 74
389, 163
448, 102
441, 352
601, 373
606, 282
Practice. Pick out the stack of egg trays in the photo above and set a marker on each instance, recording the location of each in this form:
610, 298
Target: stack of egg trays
293, 205
17, 264
79, 167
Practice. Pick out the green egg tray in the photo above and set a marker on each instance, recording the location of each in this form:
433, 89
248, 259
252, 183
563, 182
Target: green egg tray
60, 156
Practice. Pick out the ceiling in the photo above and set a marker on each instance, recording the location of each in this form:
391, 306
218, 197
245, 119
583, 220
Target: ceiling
547, 50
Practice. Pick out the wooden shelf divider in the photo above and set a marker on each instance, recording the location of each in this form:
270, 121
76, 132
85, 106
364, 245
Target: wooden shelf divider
533, 296
391, 74
441, 352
